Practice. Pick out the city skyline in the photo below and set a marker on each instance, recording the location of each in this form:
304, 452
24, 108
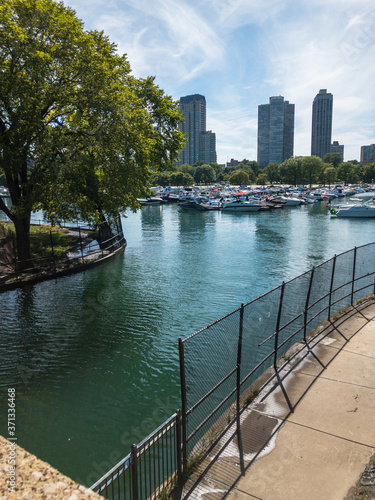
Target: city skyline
238, 53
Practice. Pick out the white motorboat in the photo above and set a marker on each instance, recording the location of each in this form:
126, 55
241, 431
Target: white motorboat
194, 203
364, 210
150, 201
288, 201
240, 205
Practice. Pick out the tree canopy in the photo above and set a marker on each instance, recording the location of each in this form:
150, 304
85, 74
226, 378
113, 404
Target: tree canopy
78, 132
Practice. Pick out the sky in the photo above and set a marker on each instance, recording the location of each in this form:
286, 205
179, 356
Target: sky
239, 53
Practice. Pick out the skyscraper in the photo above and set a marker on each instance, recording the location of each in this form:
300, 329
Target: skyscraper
275, 131
368, 154
200, 144
321, 132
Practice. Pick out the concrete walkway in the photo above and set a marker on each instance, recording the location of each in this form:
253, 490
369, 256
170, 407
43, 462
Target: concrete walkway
310, 435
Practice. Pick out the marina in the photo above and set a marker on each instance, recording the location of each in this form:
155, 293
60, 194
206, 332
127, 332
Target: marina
94, 356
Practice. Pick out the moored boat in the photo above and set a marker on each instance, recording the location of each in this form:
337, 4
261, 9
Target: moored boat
240, 205
364, 210
150, 201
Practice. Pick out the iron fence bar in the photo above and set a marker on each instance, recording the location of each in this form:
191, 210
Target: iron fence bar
353, 278
178, 445
238, 384
134, 469
183, 402
80, 243
307, 304
331, 287
278, 325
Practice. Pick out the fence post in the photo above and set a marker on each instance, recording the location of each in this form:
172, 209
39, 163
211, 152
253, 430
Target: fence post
100, 241
307, 304
80, 242
331, 287
183, 403
238, 406
53, 253
178, 439
278, 326
134, 462
353, 280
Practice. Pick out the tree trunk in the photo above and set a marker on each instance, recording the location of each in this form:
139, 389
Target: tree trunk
22, 227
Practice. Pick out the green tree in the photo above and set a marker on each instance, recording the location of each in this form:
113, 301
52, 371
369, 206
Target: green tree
369, 172
181, 179
78, 133
239, 177
312, 167
248, 170
291, 171
262, 179
204, 174
160, 179
188, 169
272, 172
329, 174
254, 166
348, 173
334, 158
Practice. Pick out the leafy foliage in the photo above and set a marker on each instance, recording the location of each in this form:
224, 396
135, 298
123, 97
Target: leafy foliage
78, 133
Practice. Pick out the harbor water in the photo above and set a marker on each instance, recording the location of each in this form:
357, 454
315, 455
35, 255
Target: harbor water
94, 356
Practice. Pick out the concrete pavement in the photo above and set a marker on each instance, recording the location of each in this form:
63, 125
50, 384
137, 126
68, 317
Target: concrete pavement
310, 434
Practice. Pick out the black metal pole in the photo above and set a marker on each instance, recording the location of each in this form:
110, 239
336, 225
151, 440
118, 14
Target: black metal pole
183, 403
331, 287
134, 466
307, 305
53, 253
353, 279
80, 242
278, 326
178, 439
238, 406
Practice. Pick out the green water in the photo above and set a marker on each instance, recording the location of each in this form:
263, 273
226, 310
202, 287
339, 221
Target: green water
94, 356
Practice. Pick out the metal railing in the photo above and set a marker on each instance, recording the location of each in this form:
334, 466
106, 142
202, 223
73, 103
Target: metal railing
87, 244
151, 466
219, 364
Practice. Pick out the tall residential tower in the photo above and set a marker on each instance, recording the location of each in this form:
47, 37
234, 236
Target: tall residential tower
321, 132
275, 131
200, 143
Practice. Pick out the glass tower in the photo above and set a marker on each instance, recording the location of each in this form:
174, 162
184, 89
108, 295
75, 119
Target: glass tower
321, 132
193, 107
275, 131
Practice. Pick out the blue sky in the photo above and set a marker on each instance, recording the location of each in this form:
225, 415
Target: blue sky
238, 53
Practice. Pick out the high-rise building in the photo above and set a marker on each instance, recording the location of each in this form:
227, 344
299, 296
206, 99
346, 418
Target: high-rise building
208, 147
368, 154
200, 143
321, 132
275, 131
336, 147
